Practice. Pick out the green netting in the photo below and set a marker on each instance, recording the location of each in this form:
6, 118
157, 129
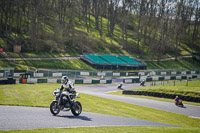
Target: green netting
113, 59
96, 59
129, 60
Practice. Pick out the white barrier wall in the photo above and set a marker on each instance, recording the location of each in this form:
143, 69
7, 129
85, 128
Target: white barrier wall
152, 73
167, 77
101, 74
89, 81
155, 78
173, 73
51, 80
38, 74
178, 77
142, 73
31, 80
17, 74
163, 73
193, 72
84, 73
184, 73
128, 81
116, 74
103, 81
57, 74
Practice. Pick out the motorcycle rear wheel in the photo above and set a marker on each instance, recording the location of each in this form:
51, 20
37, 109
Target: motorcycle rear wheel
76, 108
54, 108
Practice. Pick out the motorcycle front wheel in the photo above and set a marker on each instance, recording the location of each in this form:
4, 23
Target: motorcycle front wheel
54, 108
76, 108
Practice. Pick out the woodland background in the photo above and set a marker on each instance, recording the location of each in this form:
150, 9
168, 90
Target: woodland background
146, 28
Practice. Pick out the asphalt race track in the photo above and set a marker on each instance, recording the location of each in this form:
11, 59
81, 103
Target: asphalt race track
21, 118
101, 90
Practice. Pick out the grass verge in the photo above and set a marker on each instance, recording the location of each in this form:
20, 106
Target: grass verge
41, 95
153, 98
125, 129
74, 64
77, 64
193, 89
171, 64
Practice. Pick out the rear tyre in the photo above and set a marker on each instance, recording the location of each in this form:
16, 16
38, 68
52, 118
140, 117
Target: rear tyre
54, 108
76, 108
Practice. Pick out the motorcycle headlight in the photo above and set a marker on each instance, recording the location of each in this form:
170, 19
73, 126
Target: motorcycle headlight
55, 94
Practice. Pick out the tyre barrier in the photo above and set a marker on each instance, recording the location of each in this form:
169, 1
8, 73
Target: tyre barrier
162, 95
8, 81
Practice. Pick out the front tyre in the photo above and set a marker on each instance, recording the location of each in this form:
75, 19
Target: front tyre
76, 108
54, 108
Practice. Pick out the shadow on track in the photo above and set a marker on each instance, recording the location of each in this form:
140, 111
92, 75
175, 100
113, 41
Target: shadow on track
84, 118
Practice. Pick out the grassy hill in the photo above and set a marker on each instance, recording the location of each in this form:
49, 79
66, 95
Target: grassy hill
54, 38
72, 31
77, 64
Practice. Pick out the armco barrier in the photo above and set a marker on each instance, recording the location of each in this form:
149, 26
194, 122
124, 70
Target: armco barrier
162, 95
148, 79
95, 81
78, 81
130, 80
42, 81
42, 73
35, 80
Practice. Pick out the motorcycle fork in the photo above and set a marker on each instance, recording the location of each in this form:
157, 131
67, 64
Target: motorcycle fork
59, 99
70, 101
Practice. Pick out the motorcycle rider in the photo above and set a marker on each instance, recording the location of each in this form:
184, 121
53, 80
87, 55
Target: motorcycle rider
67, 85
65, 98
176, 100
142, 83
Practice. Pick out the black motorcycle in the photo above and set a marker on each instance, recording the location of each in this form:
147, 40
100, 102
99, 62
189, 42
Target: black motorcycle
65, 100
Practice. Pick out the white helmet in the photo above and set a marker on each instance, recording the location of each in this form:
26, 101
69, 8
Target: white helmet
64, 79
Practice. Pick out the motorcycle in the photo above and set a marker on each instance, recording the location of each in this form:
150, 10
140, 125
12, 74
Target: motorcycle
119, 86
142, 83
65, 100
179, 103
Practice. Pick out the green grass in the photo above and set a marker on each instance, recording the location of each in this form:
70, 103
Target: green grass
153, 98
173, 64
35, 55
125, 129
74, 64
41, 95
77, 64
193, 89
